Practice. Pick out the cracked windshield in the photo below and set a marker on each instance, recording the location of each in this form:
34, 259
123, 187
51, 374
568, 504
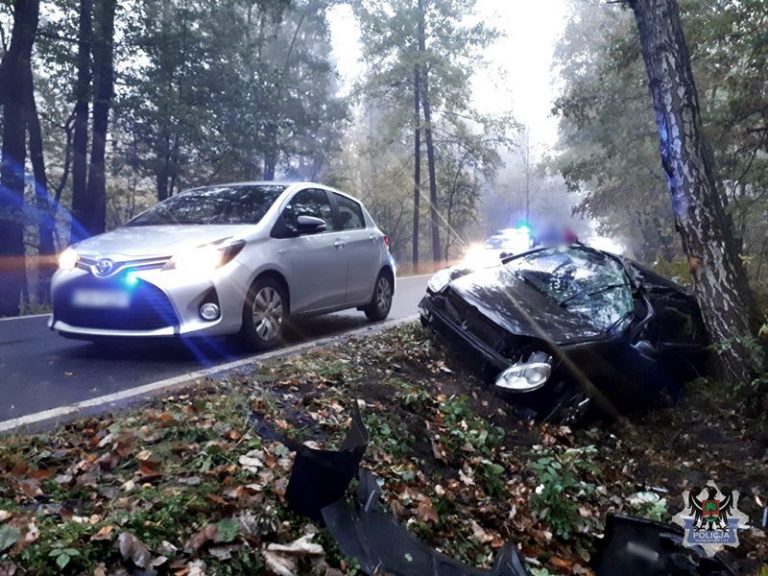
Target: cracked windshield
384, 287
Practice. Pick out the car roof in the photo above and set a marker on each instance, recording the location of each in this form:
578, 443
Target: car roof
287, 183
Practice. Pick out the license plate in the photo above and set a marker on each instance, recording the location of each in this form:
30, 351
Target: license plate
101, 299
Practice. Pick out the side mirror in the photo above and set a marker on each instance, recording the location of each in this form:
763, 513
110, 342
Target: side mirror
310, 224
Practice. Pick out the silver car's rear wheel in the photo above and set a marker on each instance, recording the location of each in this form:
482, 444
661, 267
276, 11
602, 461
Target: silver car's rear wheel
264, 314
381, 302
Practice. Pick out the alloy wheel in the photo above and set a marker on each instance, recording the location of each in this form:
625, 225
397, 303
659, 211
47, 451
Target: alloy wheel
268, 313
383, 294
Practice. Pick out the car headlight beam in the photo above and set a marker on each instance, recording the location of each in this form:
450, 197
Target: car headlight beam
68, 259
526, 376
205, 258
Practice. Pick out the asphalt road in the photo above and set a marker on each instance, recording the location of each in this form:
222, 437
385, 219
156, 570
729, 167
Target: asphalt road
40, 370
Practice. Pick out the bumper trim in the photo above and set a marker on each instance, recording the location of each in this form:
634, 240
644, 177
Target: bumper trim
65, 328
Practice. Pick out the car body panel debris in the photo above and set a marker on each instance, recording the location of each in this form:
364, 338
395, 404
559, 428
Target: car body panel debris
381, 545
321, 477
641, 547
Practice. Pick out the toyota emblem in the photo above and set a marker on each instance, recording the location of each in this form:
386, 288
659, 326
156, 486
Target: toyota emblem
104, 266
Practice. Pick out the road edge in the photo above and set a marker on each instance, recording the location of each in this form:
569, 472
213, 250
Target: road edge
55, 417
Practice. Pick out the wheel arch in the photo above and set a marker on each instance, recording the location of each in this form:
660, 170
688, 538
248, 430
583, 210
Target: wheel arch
387, 269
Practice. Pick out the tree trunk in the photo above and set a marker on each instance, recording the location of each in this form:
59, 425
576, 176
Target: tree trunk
416, 164
719, 279
163, 144
80, 206
270, 152
14, 66
103, 80
433, 218
45, 211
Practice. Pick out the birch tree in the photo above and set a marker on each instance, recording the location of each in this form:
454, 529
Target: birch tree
719, 278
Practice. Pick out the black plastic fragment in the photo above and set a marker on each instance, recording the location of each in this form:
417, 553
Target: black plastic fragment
381, 545
321, 477
642, 547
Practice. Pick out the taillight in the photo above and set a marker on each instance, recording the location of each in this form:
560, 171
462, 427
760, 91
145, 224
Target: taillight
386, 241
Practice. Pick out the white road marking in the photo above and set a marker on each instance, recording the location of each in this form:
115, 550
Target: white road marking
191, 377
7, 318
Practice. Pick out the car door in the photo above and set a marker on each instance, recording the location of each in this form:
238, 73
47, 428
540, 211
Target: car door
362, 248
315, 263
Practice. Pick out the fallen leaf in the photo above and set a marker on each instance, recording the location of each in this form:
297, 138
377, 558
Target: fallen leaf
167, 549
190, 480
148, 470
5, 515
282, 559
252, 461
220, 553
144, 455
201, 538
32, 533
479, 535
426, 511
30, 488
105, 533
279, 564
196, 568
9, 535
216, 499
301, 547
134, 550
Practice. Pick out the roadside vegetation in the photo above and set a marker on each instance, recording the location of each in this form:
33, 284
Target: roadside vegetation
187, 485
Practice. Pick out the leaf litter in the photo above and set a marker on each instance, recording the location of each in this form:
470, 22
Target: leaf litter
187, 485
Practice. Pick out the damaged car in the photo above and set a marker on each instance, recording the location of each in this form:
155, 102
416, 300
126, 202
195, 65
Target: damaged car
569, 330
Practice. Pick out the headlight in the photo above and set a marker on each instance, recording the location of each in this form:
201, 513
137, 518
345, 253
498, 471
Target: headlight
526, 376
204, 258
68, 259
440, 280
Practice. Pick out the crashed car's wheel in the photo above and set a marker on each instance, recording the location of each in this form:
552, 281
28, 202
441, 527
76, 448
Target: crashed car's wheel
264, 314
381, 303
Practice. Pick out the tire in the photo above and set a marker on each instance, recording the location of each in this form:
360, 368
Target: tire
265, 314
381, 302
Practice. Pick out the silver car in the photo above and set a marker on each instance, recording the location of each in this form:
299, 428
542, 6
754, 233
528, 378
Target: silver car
236, 258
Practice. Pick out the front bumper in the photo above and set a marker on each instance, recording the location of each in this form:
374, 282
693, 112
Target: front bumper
458, 335
160, 303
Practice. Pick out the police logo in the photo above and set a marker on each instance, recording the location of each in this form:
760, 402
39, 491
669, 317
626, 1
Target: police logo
711, 518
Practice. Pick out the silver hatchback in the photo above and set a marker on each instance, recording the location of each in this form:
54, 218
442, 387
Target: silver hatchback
236, 258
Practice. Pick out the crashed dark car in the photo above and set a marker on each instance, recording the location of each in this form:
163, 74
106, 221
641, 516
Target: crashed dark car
570, 330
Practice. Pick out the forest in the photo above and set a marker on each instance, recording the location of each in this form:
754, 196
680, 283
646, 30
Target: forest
109, 107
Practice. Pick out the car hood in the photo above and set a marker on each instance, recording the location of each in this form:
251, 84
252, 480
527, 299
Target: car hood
132, 242
509, 301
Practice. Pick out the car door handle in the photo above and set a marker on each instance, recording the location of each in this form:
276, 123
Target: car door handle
340, 243
372, 237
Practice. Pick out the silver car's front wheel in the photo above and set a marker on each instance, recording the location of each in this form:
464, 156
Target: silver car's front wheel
264, 314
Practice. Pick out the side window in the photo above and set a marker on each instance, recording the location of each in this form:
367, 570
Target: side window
309, 202
350, 213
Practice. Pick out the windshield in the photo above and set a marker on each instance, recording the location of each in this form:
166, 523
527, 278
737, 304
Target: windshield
244, 204
587, 283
